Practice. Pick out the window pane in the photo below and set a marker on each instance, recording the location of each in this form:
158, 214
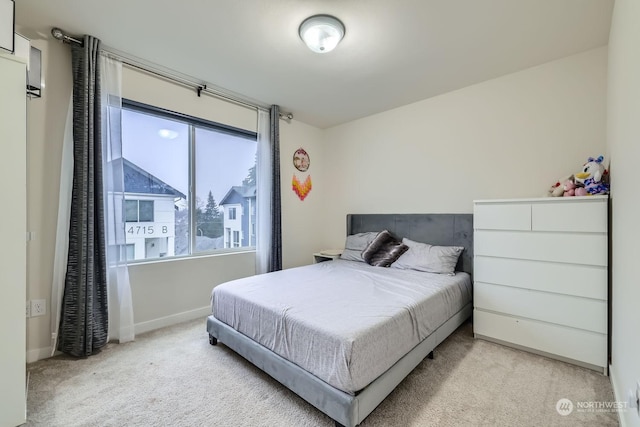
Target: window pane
131, 210
146, 210
156, 168
130, 250
225, 183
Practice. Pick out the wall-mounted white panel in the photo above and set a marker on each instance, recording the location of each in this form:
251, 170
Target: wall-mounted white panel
7, 25
23, 48
569, 279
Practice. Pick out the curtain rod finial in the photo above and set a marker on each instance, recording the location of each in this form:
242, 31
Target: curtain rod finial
57, 33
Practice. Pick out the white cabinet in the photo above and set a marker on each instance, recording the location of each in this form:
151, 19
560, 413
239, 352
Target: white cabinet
13, 249
541, 278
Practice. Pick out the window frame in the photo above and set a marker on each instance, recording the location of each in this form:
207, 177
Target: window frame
193, 123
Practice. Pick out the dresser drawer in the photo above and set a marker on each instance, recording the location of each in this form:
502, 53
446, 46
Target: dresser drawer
576, 344
575, 215
502, 216
582, 313
571, 279
576, 248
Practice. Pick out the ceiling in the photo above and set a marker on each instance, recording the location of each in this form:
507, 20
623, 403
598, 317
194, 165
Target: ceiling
394, 52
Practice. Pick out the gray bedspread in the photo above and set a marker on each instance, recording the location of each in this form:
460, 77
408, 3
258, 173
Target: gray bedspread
345, 322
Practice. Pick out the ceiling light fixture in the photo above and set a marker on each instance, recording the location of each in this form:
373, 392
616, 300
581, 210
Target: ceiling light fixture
321, 33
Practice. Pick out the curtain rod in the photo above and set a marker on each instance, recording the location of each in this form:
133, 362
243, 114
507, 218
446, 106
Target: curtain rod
200, 87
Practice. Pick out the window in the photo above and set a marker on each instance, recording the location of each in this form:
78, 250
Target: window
122, 252
181, 174
138, 210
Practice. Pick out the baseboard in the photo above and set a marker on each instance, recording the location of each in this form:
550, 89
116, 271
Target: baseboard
36, 354
617, 397
173, 319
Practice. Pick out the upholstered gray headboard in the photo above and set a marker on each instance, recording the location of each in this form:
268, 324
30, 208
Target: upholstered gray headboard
434, 229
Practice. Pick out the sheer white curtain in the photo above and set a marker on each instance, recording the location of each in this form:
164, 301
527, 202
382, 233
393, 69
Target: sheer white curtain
121, 326
62, 231
264, 183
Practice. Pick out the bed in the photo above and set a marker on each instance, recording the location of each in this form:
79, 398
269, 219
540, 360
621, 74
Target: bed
296, 329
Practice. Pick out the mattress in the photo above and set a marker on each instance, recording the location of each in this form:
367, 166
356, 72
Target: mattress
345, 322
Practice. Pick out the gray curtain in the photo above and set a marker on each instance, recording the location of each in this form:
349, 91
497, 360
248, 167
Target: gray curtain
275, 260
84, 316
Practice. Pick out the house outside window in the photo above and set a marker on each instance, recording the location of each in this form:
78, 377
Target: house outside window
149, 210
232, 213
176, 169
241, 198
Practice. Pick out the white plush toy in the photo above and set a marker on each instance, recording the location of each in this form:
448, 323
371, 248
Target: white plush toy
592, 180
593, 169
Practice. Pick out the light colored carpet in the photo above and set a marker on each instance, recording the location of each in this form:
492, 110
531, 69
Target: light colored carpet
173, 377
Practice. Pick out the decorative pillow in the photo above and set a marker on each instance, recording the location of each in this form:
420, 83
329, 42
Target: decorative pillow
355, 244
383, 250
432, 259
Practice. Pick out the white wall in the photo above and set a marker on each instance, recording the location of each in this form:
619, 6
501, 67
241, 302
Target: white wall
302, 220
623, 136
171, 291
161, 295
508, 137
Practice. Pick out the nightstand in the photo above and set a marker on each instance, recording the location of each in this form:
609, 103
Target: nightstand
325, 256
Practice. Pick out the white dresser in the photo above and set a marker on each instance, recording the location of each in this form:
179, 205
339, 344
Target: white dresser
541, 276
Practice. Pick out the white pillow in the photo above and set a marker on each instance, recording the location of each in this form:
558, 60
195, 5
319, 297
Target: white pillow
355, 244
429, 258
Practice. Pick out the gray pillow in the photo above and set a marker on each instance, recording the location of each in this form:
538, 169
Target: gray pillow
355, 244
383, 250
429, 258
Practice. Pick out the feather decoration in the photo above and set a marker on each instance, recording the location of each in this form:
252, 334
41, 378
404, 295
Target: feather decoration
302, 189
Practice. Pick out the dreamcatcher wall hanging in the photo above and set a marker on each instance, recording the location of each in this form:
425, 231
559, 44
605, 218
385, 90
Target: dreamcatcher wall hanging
301, 162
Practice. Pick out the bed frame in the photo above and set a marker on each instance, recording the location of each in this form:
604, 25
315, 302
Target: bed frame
347, 409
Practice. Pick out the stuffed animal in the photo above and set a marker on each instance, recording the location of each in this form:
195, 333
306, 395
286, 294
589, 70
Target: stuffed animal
558, 189
592, 187
593, 177
569, 188
581, 191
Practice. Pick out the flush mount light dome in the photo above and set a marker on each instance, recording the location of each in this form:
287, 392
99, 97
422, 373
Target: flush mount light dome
321, 33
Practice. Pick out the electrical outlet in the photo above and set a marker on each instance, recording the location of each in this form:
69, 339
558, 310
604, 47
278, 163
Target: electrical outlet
38, 307
28, 309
